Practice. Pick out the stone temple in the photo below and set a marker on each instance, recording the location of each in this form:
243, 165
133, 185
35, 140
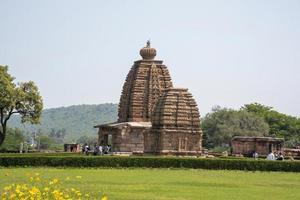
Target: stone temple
154, 117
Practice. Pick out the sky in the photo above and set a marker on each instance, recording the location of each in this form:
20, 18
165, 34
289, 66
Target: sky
228, 53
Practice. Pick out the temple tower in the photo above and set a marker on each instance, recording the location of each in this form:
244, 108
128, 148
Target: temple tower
143, 85
176, 123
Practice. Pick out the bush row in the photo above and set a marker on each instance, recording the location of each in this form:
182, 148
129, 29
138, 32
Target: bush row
150, 162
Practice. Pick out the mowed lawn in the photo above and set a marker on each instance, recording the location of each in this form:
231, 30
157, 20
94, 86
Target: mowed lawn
167, 184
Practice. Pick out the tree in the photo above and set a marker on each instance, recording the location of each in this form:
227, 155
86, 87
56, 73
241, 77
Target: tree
23, 99
222, 124
14, 138
281, 125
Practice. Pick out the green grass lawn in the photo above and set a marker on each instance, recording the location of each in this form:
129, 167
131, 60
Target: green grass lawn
166, 184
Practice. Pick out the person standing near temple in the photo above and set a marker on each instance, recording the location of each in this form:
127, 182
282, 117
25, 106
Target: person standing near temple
255, 155
101, 150
271, 156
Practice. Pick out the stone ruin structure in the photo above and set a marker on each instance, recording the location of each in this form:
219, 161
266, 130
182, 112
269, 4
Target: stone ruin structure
246, 145
154, 117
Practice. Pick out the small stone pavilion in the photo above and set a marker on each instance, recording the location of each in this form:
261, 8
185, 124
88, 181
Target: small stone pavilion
154, 117
246, 145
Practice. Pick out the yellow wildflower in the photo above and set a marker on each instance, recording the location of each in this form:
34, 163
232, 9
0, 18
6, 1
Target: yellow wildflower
34, 191
55, 181
18, 190
7, 188
24, 187
13, 195
104, 197
21, 194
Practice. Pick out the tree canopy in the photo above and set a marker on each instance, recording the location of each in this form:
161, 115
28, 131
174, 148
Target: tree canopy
23, 99
222, 124
281, 125
254, 119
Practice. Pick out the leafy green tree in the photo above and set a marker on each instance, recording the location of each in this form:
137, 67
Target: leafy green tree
281, 125
13, 140
222, 124
23, 99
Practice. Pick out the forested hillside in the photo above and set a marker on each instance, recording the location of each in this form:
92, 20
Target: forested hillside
72, 121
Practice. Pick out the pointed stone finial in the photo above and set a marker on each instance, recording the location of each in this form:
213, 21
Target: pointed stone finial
148, 44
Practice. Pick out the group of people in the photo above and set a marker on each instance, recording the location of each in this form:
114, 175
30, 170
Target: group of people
270, 156
275, 156
96, 150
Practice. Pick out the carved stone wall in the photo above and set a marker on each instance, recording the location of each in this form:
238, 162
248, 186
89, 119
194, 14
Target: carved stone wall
125, 137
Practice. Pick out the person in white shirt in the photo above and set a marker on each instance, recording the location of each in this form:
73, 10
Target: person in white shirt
101, 150
271, 156
255, 155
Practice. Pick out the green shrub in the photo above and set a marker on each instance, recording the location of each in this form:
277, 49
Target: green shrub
149, 162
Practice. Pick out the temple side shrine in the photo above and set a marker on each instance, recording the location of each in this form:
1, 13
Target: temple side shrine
153, 116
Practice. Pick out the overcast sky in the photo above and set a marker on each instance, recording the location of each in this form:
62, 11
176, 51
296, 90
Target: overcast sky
227, 53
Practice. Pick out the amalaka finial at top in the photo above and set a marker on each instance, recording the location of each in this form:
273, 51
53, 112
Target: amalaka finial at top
147, 52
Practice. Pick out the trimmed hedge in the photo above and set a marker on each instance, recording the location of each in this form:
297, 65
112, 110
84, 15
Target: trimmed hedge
150, 162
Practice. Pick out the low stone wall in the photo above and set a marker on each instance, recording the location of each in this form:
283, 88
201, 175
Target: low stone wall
291, 152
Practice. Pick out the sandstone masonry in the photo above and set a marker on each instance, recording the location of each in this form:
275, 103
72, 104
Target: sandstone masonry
154, 117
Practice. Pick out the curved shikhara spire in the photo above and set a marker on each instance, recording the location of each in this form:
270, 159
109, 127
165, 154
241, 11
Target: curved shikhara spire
176, 108
144, 83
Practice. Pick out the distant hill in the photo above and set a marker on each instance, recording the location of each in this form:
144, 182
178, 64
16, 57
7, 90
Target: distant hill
75, 120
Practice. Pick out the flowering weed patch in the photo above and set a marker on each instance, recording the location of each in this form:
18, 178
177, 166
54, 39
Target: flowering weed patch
38, 188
